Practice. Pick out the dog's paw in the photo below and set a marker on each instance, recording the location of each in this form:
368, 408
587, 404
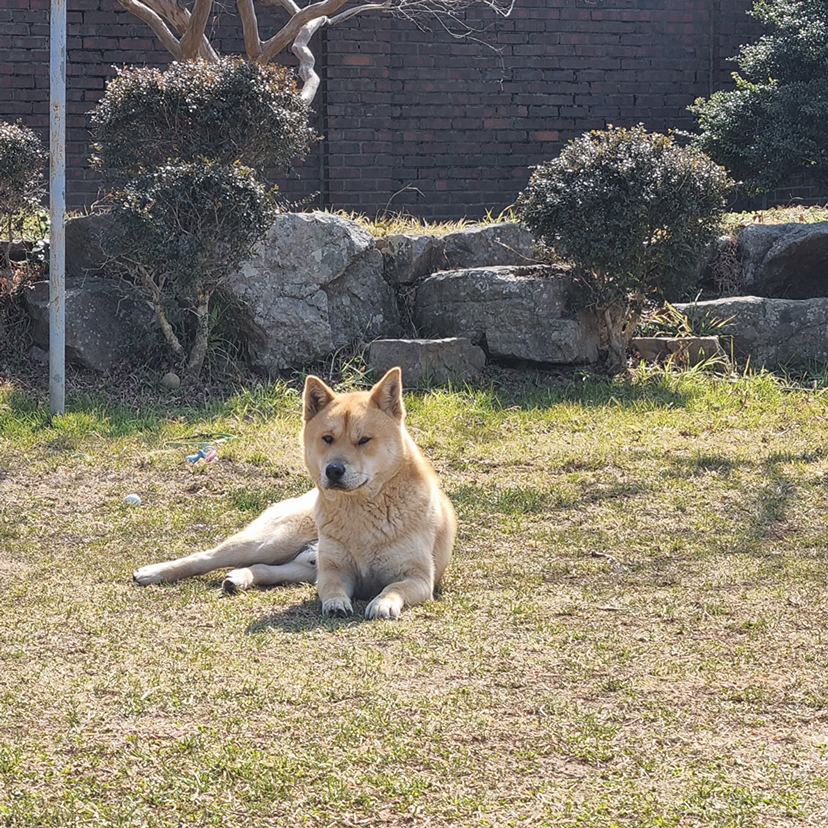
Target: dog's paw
146, 575
385, 607
308, 554
237, 580
337, 607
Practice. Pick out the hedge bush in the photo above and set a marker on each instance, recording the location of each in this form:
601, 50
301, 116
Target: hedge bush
223, 112
22, 161
186, 151
633, 211
772, 126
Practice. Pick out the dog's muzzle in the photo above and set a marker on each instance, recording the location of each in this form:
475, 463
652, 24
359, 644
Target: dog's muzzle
334, 472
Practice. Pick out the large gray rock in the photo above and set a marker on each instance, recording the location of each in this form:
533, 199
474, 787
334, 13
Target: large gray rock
512, 312
427, 360
788, 261
107, 322
313, 285
407, 257
410, 257
770, 331
361, 304
486, 246
86, 244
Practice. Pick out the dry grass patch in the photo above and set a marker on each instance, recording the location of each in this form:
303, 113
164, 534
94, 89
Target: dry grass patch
632, 632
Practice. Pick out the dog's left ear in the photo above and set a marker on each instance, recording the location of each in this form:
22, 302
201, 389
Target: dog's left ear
386, 395
315, 397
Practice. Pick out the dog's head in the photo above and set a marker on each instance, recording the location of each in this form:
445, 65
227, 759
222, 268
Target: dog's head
355, 440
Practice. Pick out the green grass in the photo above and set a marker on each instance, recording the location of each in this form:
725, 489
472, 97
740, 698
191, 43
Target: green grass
633, 631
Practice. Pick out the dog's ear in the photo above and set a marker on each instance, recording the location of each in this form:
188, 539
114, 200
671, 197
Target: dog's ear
315, 397
387, 394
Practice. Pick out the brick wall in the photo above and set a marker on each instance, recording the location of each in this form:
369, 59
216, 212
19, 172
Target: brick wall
416, 120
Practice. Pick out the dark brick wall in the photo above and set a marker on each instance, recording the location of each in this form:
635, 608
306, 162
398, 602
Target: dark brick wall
416, 120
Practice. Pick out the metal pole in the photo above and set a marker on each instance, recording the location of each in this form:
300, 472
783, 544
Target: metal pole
57, 208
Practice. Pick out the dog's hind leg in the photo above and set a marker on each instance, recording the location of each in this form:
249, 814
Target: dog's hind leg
301, 570
274, 538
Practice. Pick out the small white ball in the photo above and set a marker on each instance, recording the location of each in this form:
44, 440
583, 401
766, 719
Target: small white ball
132, 500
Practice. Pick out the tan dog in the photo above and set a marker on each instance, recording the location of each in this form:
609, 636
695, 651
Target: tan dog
385, 529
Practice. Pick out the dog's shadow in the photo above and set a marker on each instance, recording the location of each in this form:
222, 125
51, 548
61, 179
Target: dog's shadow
302, 618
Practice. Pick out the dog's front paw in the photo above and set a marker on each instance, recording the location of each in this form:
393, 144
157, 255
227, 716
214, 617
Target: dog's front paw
237, 580
337, 607
152, 574
384, 606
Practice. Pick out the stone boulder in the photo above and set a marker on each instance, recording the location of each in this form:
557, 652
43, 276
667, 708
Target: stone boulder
769, 331
107, 322
407, 257
410, 257
485, 246
786, 261
427, 360
512, 312
86, 241
313, 285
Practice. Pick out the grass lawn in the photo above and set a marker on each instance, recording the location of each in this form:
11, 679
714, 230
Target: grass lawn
633, 630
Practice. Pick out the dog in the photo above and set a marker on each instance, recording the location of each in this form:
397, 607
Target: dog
376, 527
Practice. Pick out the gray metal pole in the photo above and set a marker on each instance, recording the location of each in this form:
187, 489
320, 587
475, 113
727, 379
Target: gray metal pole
57, 208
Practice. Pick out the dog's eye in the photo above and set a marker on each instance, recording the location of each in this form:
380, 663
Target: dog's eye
327, 439
364, 440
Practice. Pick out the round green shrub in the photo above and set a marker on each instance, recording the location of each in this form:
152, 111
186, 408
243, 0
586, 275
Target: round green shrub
632, 210
224, 112
22, 159
772, 126
192, 225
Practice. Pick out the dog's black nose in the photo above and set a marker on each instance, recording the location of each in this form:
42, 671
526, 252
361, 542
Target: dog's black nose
335, 472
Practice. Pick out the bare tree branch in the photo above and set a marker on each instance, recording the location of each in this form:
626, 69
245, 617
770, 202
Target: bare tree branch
307, 61
168, 40
302, 23
367, 7
250, 27
164, 12
297, 22
193, 36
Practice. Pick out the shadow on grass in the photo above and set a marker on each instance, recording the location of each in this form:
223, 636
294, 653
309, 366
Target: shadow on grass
763, 505
304, 617
529, 391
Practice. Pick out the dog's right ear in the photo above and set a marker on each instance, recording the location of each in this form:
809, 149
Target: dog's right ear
315, 397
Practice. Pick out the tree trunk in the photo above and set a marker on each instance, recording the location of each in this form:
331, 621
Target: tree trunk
199, 350
620, 321
169, 334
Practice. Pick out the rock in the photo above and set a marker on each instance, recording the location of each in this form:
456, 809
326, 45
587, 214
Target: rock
86, 238
787, 261
486, 246
427, 360
361, 304
685, 350
407, 257
313, 285
769, 331
107, 321
171, 381
512, 312
410, 257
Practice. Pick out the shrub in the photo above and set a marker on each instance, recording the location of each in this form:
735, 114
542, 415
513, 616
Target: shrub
22, 158
633, 211
772, 125
186, 150
183, 230
225, 112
